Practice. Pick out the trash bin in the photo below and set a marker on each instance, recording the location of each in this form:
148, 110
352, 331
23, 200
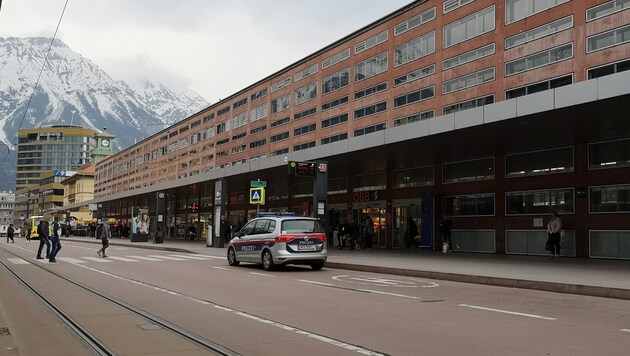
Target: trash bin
209, 237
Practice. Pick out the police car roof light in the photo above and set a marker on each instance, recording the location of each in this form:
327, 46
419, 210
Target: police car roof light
268, 214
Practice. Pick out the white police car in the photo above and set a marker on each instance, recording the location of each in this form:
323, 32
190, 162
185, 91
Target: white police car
279, 240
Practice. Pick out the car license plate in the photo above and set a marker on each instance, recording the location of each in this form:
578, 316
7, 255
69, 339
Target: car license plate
307, 247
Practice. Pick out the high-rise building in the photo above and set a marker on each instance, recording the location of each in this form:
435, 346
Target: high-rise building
53, 148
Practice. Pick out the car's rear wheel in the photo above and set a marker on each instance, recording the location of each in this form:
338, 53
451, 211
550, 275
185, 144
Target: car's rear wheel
317, 266
267, 260
231, 257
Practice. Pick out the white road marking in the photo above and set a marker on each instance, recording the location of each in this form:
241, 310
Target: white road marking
221, 268
392, 294
314, 282
507, 312
192, 257
97, 259
402, 282
261, 274
70, 260
216, 257
168, 258
626, 330
288, 328
18, 261
146, 258
123, 259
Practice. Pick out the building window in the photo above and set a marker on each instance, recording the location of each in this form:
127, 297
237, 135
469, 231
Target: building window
516, 10
468, 104
366, 130
413, 177
281, 103
258, 130
609, 69
239, 149
537, 202
369, 182
336, 102
195, 124
414, 118
208, 117
280, 122
468, 80
417, 48
258, 143
305, 73
611, 154
609, 199
259, 112
335, 120
606, 9
281, 84
415, 96
469, 205
370, 67
469, 27
539, 59
305, 113
415, 75
305, 93
608, 39
450, 5
415, 21
539, 32
470, 56
239, 103
335, 138
208, 132
370, 42
304, 129
371, 90
559, 160
279, 152
336, 81
239, 136
540, 86
336, 58
304, 146
223, 127
279, 137
261, 93
468, 171
370, 110
223, 111
239, 120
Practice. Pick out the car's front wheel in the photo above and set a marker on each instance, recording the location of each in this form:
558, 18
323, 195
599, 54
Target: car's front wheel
267, 260
231, 257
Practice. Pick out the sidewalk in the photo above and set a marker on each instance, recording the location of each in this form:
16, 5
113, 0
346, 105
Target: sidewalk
593, 277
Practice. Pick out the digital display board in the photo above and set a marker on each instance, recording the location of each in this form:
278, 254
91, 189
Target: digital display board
302, 168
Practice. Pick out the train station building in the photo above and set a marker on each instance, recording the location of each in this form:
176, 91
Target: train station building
493, 113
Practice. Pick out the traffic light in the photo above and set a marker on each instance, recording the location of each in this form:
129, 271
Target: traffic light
194, 207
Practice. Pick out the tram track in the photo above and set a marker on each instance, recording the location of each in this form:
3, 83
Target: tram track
89, 339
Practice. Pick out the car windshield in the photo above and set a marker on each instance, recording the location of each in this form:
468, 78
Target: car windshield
298, 226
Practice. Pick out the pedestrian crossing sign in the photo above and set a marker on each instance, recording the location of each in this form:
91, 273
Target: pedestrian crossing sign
257, 195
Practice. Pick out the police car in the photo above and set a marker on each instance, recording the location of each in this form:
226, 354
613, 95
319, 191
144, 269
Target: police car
274, 240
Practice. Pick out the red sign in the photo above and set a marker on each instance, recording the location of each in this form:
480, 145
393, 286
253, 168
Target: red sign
323, 167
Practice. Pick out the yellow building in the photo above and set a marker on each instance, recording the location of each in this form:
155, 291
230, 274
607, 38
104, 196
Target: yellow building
77, 189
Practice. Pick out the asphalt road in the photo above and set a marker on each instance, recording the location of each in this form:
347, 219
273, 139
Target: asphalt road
297, 311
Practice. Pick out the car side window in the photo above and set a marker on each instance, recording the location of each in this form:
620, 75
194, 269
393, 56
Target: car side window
248, 229
271, 227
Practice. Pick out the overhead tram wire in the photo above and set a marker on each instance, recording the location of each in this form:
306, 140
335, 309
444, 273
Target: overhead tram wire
15, 142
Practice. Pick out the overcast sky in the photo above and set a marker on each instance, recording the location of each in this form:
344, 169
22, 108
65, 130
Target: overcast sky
213, 47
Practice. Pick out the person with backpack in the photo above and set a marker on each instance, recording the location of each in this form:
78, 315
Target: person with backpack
42, 231
102, 231
10, 233
55, 240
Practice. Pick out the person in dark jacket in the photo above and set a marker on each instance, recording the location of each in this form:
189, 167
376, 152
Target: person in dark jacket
102, 231
55, 241
10, 233
42, 231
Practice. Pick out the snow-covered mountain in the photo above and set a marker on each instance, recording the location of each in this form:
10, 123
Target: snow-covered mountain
73, 90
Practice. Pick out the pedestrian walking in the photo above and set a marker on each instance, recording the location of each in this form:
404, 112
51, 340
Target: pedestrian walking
554, 227
42, 231
102, 231
413, 236
55, 241
10, 233
26, 230
445, 229
368, 232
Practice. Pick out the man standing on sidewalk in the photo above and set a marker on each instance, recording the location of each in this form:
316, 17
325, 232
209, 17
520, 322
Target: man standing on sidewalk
42, 231
10, 233
102, 231
55, 242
